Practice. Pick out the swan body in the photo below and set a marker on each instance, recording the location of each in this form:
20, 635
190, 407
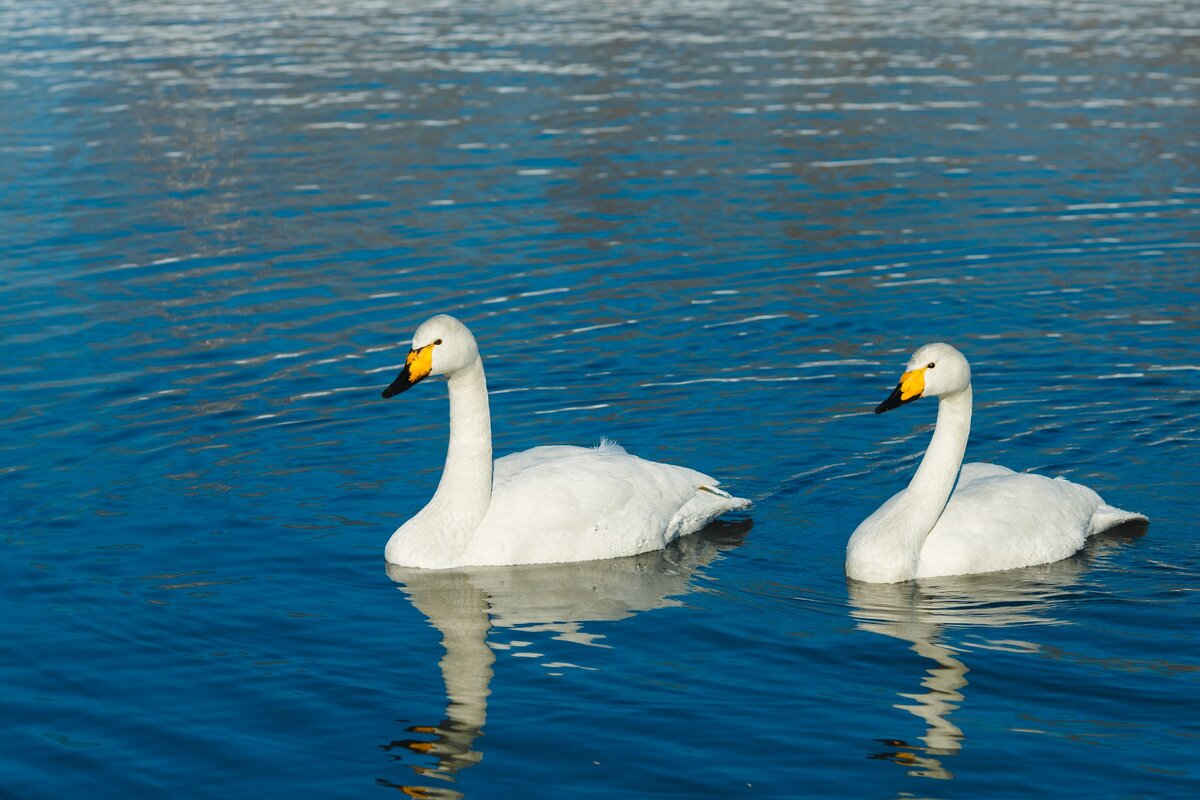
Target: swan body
994, 518
545, 505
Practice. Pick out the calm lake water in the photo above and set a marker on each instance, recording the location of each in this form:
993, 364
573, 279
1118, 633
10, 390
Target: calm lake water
710, 231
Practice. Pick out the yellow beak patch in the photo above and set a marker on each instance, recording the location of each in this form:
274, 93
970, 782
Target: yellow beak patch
419, 363
417, 367
912, 384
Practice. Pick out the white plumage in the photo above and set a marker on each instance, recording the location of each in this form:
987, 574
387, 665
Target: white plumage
994, 519
548, 504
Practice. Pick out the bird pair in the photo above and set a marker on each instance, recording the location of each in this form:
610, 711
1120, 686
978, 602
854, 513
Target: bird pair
564, 503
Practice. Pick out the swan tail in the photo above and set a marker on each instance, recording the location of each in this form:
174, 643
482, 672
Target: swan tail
707, 504
732, 503
1107, 516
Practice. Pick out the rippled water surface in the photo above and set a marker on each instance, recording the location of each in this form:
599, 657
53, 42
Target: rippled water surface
711, 231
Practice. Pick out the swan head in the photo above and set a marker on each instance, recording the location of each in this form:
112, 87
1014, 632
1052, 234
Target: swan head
935, 370
441, 346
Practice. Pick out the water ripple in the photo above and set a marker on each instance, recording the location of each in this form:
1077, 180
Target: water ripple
711, 231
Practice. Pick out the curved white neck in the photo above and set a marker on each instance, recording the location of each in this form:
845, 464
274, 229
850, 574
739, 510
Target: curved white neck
886, 547
931, 486
437, 536
466, 485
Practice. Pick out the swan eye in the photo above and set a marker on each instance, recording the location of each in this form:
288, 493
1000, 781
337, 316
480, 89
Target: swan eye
931, 365
439, 341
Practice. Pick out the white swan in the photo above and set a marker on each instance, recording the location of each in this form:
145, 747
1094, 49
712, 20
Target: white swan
995, 519
545, 505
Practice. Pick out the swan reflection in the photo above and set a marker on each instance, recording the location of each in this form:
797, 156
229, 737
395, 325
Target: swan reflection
465, 604
919, 612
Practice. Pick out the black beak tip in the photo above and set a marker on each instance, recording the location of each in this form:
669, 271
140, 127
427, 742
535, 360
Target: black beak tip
893, 401
396, 387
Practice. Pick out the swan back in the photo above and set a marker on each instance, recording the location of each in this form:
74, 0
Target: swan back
564, 503
999, 519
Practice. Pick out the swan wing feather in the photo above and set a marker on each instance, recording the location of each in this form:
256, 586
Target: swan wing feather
999, 519
563, 503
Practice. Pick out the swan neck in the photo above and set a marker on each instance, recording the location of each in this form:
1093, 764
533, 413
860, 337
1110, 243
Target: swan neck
439, 534
886, 547
466, 484
934, 480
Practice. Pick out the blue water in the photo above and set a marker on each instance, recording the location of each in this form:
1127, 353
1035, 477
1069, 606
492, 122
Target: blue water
710, 231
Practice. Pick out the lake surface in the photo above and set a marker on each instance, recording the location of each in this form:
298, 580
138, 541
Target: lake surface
710, 231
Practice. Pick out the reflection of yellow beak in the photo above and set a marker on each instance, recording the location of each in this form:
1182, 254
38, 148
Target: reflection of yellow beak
417, 367
911, 387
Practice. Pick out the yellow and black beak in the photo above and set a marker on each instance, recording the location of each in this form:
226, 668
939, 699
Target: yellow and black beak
416, 368
911, 387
